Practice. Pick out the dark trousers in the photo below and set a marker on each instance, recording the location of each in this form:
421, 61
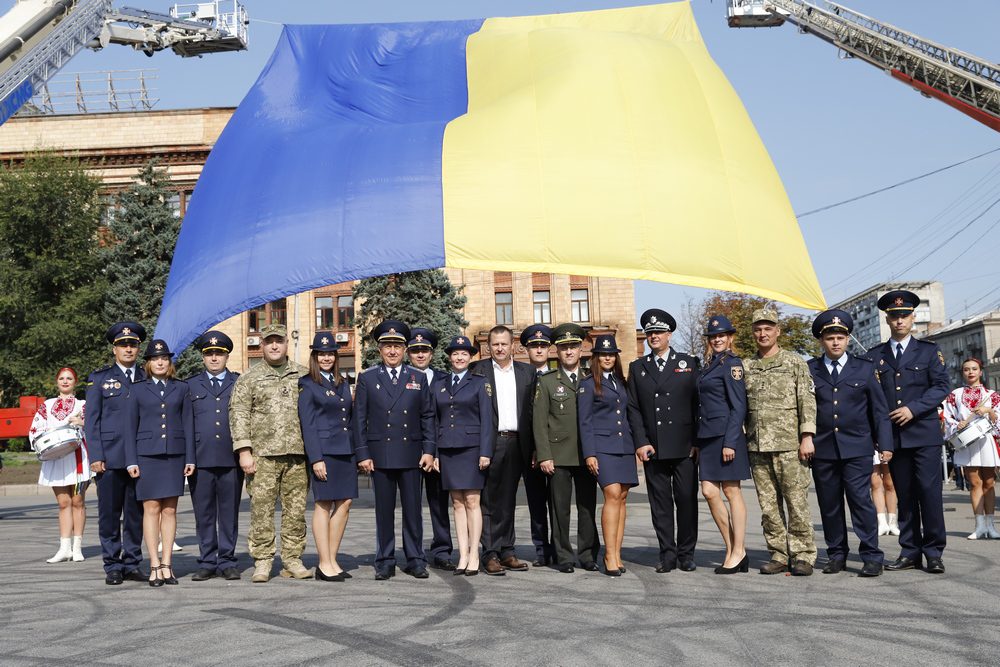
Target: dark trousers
439, 503
499, 498
536, 489
387, 482
673, 484
917, 475
562, 484
119, 521
836, 479
215, 496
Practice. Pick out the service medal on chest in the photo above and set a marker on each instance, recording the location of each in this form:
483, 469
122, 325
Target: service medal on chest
682, 364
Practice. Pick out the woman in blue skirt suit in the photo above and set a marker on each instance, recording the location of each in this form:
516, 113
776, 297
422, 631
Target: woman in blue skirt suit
159, 453
325, 416
607, 445
722, 446
466, 426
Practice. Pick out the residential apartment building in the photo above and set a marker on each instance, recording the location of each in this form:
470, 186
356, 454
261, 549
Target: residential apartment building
869, 322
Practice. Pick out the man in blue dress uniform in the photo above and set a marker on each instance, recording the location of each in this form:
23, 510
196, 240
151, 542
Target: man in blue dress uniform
119, 515
536, 341
420, 352
852, 422
915, 381
217, 482
394, 441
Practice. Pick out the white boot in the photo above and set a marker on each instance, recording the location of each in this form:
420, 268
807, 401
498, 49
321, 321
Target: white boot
893, 525
991, 529
980, 532
65, 552
883, 525
77, 548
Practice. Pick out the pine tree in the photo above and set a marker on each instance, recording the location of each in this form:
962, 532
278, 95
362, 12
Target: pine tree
51, 284
420, 298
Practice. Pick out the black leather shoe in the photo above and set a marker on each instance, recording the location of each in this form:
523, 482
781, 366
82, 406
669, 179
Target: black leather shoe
458, 571
203, 574
662, 568
687, 565
615, 572
385, 573
418, 572
565, 568
903, 563
442, 564
322, 576
135, 575
541, 561
773, 567
801, 568
871, 569
170, 580
231, 574
472, 573
113, 578
834, 566
590, 566
935, 565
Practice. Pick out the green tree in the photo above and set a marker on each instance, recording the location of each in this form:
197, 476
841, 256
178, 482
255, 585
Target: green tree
141, 234
796, 330
51, 284
419, 298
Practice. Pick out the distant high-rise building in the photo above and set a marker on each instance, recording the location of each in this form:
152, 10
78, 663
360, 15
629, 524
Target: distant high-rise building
869, 322
977, 336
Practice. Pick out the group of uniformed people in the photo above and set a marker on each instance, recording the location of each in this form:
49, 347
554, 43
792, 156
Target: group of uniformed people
468, 435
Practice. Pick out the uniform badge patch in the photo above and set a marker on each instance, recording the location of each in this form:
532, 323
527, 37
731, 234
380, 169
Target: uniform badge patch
489, 390
940, 357
736, 372
682, 364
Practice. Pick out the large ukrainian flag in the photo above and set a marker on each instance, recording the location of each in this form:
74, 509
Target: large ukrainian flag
372, 149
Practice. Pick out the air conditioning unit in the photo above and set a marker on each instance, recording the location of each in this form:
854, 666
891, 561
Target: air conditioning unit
253, 341
342, 337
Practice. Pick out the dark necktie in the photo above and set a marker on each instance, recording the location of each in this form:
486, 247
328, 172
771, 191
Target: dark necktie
454, 381
835, 373
611, 381
395, 376
161, 386
216, 384
899, 351
128, 374
660, 363
572, 378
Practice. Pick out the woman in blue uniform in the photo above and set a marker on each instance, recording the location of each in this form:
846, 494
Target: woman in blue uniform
159, 453
722, 445
466, 426
325, 415
607, 445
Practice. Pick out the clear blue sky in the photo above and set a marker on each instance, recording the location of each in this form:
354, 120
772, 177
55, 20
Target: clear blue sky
834, 128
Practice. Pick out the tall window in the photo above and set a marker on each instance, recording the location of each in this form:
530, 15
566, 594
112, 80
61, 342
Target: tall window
580, 305
274, 312
324, 312
543, 306
505, 307
345, 311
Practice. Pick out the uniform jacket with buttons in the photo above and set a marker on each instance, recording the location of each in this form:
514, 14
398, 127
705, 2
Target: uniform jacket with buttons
554, 417
663, 405
920, 383
108, 396
722, 400
604, 425
393, 424
851, 416
159, 425
213, 441
325, 411
464, 415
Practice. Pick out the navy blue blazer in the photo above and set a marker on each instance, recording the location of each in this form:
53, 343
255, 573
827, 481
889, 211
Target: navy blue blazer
851, 415
325, 417
603, 420
663, 405
920, 383
159, 425
464, 416
393, 425
722, 400
108, 395
213, 442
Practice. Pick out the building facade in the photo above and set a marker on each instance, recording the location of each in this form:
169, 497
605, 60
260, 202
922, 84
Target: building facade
977, 336
869, 322
114, 146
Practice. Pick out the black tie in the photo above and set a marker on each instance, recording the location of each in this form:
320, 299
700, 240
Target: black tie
899, 352
661, 364
454, 381
572, 378
394, 373
835, 373
160, 385
128, 374
216, 384
611, 381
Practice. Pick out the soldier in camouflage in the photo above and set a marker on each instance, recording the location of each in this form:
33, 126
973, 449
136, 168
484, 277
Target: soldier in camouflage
781, 420
264, 419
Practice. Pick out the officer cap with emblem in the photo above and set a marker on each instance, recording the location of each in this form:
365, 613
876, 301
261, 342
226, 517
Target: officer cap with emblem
421, 337
832, 321
605, 344
157, 348
391, 331
461, 343
765, 315
898, 301
323, 341
566, 334
719, 324
655, 320
214, 340
123, 331
536, 334
279, 330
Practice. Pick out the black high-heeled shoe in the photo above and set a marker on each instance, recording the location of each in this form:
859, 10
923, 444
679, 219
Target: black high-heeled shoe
171, 580
742, 566
323, 576
154, 577
458, 571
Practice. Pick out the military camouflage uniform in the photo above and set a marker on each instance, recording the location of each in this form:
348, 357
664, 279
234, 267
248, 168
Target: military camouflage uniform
263, 416
781, 406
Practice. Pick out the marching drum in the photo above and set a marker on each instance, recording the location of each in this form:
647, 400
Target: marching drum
973, 432
58, 442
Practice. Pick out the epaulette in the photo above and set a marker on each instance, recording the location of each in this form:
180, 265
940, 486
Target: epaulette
370, 368
550, 371
860, 357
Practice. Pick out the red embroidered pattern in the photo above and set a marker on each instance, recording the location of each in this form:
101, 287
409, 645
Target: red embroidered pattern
63, 408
